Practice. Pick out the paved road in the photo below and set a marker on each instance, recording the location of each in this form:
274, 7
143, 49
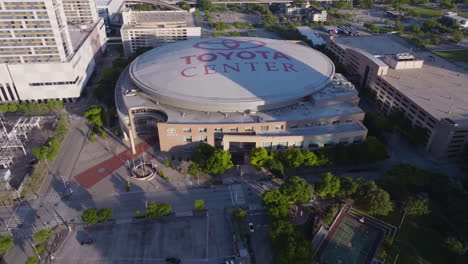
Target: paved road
50, 209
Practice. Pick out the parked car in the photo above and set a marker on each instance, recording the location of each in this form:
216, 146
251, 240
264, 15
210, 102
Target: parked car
251, 227
173, 260
87, 242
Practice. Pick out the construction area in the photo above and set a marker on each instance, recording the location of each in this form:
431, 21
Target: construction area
18, 136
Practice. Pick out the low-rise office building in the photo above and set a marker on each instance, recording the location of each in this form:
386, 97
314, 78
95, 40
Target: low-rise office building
236, 94
431, 91
143, 29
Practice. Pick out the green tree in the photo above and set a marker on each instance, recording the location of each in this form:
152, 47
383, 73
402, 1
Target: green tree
281, 229
295, 249
398, 26
5, 243
292, 158
156, 210
48, 152
329, 185
105, 214
275, 166
347, 187
297, 190
42, 235
457, 36
416, 206
310, 159
415, 29
184, 5
239, 214
374, 150
39, 248
374, 199
455, 245
199, 205
94, 115
277, 203
90, 216
205, 4
194, 169
212, 160
258, 157
32, 260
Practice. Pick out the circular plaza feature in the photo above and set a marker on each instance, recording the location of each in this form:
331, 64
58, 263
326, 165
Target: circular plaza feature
231, 74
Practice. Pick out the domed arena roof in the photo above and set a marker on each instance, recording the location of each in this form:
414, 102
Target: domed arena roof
231, 74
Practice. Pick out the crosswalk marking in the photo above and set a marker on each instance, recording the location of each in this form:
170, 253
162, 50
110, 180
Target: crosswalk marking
21, 233
237, 194
19, 216
256, 206
46, 198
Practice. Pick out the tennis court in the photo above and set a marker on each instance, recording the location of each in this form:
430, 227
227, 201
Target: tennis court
350, 242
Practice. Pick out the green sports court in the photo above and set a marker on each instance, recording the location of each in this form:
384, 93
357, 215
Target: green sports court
350, 242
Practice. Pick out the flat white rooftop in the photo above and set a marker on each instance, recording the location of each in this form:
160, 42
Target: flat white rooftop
231, 74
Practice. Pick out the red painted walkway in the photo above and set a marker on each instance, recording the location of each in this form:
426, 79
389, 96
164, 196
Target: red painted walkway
93, 175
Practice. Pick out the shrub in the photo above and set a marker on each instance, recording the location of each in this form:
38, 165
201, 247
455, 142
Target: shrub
454, 245
92, 136
155, 210
90, 216
167, 163
32, 260
5, 243
193, 169
105, 214
42, 235
199, 205
239, 214
138, 213
161, 173
40, 248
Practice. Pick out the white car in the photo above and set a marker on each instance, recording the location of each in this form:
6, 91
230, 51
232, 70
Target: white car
251, 227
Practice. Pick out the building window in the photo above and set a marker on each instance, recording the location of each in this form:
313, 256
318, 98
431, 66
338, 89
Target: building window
322, 123
313, 145
233, 129
344, 140
282, 145
267, 145
187, 139
308, 124
218, 129
187, 129
249, 128
202, 129
264, 128
279, 127
188, 148
336, 122
204, 138
357, 139
298, 144
293, 126
349, 120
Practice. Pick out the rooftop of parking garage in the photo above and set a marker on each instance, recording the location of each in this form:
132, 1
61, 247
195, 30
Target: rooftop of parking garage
146, 18
439, 87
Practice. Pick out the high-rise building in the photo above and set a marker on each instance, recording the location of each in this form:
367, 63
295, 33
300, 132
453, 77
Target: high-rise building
77, 11
46, 50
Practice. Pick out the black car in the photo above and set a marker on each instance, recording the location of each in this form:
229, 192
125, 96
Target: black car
173, 260
87, 242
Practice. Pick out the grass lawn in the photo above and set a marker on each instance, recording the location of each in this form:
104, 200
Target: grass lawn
456, 55
420, 240
426, 12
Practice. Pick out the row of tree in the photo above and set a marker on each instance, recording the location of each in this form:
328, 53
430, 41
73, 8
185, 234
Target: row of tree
371, 150
92, 215
51, 149
32, 108
290, 243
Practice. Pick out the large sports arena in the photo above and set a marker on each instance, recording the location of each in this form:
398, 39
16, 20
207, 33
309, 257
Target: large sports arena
236, 94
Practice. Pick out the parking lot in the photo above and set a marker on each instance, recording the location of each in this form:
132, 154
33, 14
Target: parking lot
191, 239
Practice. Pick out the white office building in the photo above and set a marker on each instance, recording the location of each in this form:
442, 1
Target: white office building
44, 52
155, 28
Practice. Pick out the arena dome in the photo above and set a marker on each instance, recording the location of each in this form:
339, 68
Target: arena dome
231, 74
